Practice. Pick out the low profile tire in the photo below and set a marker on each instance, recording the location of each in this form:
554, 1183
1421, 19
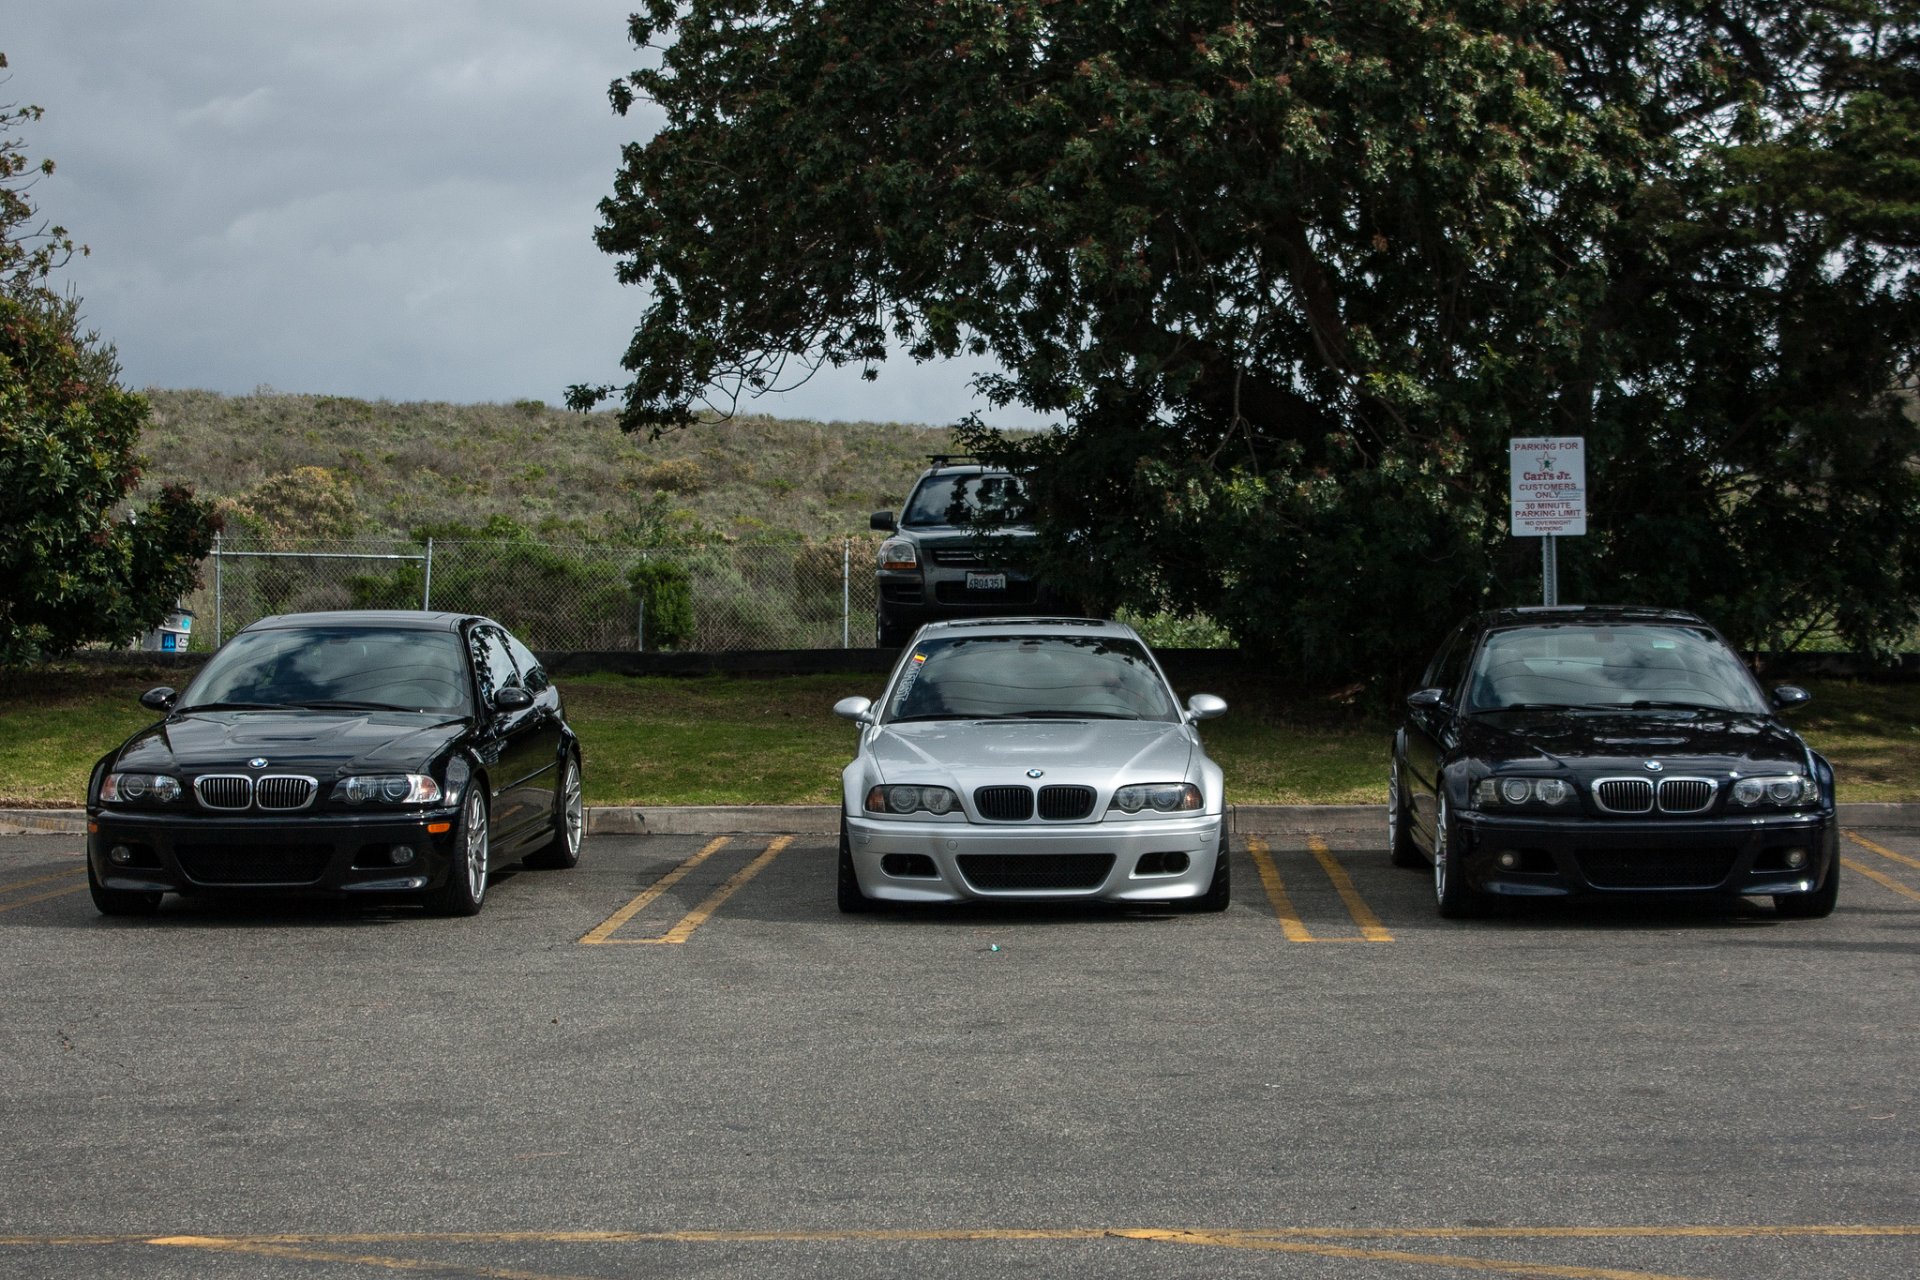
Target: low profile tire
120, 902
852, 900
569, 823
1220, 889
466, 886
1451, 893
1401, 850
1817, 905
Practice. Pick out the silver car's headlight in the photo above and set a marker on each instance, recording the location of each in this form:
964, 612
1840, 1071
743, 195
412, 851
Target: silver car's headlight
1784, 791
911, 799
139, 788
1161, 797
387, 788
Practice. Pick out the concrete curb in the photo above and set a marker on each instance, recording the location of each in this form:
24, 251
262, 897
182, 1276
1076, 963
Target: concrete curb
824, 819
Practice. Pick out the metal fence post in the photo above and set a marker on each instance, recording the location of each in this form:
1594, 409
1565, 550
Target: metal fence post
426, 585
846, 593
218, 635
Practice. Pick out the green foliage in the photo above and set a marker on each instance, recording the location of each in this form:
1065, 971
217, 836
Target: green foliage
1294, 273
77, 564
664, 591
306, 502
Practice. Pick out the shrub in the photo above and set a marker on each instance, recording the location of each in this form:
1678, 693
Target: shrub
665, 594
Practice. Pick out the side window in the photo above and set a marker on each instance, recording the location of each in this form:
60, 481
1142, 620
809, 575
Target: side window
1450, 665
532, 674
492, 662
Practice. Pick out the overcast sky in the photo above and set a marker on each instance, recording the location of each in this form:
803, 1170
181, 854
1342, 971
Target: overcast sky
376, 198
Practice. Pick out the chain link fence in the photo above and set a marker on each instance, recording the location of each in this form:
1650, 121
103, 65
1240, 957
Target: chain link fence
560, 596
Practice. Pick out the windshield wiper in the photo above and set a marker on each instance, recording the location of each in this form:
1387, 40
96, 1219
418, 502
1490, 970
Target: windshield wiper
349, 704
1066, 715
236, 706
1524, 706
1651, 704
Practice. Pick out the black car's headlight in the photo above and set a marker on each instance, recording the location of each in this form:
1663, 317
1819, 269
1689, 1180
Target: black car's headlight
1522, 793
387, 788
1161, 797
899, 553
139, 788
1782, 791
911, 799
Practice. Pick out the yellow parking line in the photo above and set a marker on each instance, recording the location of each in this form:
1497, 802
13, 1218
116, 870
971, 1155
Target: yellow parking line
1879, 877
603, 931
698, 916
1884, 852
41, 897
1276, 891
1370, 927
28, 884
262, 1249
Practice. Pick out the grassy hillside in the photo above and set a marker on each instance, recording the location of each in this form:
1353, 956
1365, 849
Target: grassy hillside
390, 467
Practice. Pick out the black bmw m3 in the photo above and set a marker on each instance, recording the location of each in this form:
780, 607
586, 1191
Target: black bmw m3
1604, 752
380, 755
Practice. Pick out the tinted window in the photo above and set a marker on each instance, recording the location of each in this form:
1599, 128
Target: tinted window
532, 674
1610, 667
951, 499
1449, 665
415, 670
493, 665
989, 677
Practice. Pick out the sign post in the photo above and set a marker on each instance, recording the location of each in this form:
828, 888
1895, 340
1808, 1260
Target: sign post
1547, 491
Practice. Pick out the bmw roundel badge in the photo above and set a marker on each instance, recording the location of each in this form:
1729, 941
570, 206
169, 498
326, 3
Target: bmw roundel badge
258, 762
1653, 766
1036, 773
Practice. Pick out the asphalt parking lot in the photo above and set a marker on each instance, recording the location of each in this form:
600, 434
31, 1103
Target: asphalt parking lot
678, 1059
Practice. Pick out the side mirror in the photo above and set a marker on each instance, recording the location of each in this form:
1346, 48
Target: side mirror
1427, 700
511, 698
1205, 706
858, 710
160, 699
1788, 696
883, 521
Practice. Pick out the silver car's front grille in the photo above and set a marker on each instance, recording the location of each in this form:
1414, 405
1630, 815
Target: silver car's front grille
284, 791
1004, 804
1065, 804
226, 791
1686, 795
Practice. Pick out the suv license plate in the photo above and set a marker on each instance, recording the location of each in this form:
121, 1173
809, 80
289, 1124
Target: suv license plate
986, 582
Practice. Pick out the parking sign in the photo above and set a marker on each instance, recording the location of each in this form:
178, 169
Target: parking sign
1549, 487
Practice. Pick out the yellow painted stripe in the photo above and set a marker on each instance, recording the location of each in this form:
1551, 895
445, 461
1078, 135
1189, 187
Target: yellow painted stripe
1498, 1266
28, 884
1879, 877
17, 903
262, 1249
606, 928
1276, 891
700, 914
1371, 930
1882, 850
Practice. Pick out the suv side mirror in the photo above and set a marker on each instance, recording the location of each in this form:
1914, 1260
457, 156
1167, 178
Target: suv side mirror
511, 698
1427, 700
160, 699
883, 521
1790, 695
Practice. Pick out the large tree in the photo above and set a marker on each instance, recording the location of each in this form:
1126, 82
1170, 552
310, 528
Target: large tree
1294, 271
77, 563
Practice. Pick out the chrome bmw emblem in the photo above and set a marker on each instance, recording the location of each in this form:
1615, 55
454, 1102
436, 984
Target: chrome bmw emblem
258, 762
1653, 766
1036, 773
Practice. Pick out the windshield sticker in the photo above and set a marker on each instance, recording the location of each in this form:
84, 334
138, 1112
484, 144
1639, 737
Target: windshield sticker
907, 677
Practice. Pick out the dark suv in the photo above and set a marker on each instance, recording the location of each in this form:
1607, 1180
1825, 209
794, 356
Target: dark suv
935, 566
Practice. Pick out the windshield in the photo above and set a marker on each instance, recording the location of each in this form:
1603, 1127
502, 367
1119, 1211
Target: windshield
1030, 677
355, 667
954, 499
1624, 666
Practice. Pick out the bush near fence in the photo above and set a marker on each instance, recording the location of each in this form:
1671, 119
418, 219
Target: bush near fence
558, 596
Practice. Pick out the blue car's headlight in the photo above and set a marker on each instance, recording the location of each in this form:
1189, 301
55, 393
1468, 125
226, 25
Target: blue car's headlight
1522, 793
1782, 791
387, 788
139, 788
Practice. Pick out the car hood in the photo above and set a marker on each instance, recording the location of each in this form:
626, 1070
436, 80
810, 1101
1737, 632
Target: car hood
316, 742
978, 752
1586, 741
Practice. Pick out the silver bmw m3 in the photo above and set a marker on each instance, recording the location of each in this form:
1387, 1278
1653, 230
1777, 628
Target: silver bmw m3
1035, 758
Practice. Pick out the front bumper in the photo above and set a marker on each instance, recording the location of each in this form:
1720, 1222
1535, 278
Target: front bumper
343, 854
1161, 860
1730, 856
908, 598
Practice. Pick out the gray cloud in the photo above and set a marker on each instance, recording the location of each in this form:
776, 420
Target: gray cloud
360, 197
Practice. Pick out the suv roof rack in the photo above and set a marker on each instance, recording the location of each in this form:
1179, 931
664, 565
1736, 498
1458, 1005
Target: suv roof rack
954, 460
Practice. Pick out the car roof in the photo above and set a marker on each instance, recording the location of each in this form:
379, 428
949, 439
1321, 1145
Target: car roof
1034, 626
388, 619
1591, 615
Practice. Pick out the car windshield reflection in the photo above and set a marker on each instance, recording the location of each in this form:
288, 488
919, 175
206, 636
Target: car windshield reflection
1030, 677
335, 669
1616, 668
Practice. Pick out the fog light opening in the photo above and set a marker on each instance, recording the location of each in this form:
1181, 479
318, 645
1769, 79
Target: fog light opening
120, 854
402, 854
1509, 860
1796, 858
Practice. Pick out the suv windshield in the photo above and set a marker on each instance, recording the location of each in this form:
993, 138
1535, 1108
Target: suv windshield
1032, 677
952, 499
308, 666
1620, 666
